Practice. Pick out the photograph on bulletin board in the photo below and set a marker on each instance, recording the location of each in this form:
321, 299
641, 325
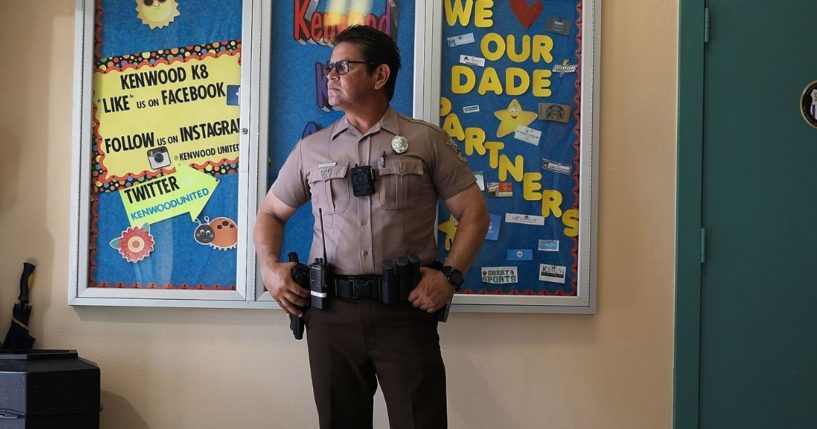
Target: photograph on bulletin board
510, 97
302, 33
165, 144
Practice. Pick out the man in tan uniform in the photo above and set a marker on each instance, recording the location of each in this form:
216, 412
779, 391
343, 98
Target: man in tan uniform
358, 340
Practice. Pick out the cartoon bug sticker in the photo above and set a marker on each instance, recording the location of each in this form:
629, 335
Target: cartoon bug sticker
221, 233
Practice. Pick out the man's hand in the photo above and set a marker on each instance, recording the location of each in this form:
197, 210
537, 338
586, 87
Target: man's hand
433, 291
278, 282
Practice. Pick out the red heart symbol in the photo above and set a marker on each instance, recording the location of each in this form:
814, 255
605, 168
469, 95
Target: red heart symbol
526, 15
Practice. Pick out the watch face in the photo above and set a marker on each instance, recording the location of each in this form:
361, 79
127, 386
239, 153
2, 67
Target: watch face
454, 276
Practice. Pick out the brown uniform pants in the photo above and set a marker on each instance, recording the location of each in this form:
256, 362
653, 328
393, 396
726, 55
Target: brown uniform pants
353, 344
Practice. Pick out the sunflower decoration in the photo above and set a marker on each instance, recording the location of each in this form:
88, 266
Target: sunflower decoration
157, 13
134, 244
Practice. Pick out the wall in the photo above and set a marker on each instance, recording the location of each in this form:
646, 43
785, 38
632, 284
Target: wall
193, 368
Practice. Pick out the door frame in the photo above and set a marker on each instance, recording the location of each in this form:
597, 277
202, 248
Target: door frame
689, 241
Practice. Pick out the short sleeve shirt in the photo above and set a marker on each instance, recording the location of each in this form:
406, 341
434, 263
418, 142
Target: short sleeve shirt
399, 217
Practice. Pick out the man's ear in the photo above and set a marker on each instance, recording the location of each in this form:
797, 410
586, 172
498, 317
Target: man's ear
382, 73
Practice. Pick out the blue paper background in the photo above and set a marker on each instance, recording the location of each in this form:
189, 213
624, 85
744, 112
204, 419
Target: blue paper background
177, 259
556, 144
293, 98
199, 22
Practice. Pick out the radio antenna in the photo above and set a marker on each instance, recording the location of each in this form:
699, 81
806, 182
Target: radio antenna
323, 235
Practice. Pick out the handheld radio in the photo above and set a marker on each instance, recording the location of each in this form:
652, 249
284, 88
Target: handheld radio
319, 277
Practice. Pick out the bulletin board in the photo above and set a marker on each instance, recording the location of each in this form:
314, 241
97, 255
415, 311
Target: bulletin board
161, 124
182, 122
517, 85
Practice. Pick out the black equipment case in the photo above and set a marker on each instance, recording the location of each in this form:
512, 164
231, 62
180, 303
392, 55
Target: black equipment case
48, 389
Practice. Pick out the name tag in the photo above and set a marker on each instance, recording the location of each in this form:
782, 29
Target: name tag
552, 273
499, 275
527, 135
323, 169
556, 167
472, 61
462, 39
524, 219
558, 25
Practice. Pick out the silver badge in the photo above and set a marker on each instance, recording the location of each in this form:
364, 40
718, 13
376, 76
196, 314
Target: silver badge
399, 144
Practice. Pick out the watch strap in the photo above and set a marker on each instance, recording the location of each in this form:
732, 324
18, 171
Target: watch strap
454, 276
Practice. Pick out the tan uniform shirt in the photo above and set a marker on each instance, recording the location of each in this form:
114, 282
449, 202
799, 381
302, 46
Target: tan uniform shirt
362, 232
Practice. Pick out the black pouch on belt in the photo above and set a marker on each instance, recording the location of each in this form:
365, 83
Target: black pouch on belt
414, 270
390, 285
404, 276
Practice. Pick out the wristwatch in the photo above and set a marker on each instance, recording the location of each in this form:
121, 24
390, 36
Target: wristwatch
454, 277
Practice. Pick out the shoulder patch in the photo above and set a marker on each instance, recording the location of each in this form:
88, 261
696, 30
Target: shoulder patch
453, 146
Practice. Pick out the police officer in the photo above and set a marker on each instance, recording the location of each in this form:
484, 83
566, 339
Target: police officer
357, 341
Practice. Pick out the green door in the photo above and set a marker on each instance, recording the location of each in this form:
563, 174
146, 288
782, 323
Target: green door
758, 211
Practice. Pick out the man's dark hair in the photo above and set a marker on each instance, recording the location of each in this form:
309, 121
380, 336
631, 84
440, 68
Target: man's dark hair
377, 48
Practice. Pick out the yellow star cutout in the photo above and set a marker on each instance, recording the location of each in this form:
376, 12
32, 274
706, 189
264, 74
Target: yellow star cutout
512, 117
449, 227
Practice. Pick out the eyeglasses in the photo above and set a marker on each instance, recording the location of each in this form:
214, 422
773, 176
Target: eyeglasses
341, 67
150, 2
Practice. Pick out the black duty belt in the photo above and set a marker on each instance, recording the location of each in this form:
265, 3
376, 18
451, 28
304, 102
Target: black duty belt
369, 287
358, 287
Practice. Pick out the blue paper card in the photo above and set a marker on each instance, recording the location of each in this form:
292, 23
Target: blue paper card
493, 229
233, 92
520, 254
548, 245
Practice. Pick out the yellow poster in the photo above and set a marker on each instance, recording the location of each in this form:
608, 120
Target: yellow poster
156, 115
184, 191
